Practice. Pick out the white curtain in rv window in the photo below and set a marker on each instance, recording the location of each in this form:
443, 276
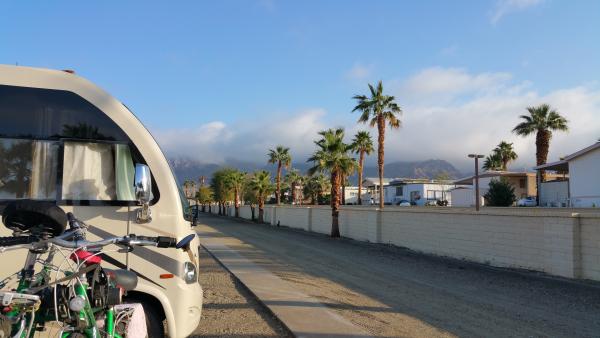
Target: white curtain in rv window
125, 171
43, 170
88, 172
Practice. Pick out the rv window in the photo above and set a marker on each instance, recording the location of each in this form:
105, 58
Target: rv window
53, 114
97, 172
28, 169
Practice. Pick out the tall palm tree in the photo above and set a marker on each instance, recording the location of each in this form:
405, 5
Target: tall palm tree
506, 153
362, 144
281, 156
235, 181
260, 184
378, 109
542, 120
492, 162
332, 156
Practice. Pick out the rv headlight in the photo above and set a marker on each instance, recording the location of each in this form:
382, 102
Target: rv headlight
190, 274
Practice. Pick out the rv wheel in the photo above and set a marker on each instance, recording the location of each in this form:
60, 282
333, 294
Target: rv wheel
154, 321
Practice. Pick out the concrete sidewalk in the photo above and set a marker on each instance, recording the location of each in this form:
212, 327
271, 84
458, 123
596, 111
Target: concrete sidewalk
303, 315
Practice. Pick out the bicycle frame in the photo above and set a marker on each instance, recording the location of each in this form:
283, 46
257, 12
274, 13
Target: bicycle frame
87, 314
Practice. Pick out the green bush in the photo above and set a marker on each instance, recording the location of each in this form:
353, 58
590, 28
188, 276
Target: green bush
501, 193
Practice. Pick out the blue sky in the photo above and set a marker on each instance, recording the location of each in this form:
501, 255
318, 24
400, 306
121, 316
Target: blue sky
234, 74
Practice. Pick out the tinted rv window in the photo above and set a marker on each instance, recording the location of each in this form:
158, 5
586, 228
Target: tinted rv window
28, 169
52, 114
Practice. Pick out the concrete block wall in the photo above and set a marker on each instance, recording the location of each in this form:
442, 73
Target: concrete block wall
589, 241
562, 242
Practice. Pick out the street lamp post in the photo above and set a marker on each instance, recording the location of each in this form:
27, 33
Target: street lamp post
476, 157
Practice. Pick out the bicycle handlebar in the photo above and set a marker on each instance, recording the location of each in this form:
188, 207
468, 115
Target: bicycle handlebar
63, 241
75, 238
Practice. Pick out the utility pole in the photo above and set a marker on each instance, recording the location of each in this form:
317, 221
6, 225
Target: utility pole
476, 157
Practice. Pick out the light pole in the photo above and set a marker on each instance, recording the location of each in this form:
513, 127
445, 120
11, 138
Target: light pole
476, 157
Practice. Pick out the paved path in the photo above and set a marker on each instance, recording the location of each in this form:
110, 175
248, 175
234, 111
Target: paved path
229, 309
391, 292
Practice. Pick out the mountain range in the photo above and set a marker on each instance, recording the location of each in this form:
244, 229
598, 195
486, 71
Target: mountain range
190, 169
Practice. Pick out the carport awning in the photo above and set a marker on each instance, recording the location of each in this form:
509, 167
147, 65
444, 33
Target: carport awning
562, 166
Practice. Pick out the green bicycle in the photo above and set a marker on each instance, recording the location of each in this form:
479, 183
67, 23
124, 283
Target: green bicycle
87, 300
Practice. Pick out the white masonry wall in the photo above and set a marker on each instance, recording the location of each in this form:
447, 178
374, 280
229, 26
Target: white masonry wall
562, 242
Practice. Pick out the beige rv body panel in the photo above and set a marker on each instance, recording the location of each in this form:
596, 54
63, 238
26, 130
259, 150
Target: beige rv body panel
182, 302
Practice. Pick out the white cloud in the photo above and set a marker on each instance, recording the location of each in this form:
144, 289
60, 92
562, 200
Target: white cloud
450, 83
504, 7
462, 113
359, 71
245, 140
456, 113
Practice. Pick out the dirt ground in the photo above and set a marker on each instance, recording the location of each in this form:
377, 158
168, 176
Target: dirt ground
393, 292
229, 309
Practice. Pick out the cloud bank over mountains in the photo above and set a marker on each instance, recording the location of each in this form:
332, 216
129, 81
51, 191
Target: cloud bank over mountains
448, 113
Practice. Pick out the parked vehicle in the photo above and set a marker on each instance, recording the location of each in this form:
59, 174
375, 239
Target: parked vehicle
527, 202
403, 203
63, 139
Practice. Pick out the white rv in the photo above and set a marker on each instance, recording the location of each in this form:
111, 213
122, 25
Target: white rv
64, 139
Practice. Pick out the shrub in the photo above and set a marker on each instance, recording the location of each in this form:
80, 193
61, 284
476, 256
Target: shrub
501, 193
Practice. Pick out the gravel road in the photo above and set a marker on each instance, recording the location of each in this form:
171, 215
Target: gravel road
393, 292
229, 309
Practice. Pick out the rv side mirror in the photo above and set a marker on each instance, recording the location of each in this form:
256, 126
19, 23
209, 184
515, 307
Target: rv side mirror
142, 182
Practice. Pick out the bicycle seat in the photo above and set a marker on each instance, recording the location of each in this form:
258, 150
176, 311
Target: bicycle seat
34, 217
125, 279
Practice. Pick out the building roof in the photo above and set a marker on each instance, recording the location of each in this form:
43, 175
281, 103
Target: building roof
399, 181
563, 165
369, 181
469, 179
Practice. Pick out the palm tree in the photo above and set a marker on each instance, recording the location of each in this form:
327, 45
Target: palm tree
377, 110
235, 181
362, 144
332, 156
542, 120
281, 156
293, 178
260, 184
315, 186
506, 153
492, 162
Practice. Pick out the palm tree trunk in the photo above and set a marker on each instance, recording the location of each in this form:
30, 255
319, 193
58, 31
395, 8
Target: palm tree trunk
380, 155
344, 191
252, 209
236, 203
278, 183
542, 145
261, 211
293, 188
220, 212
361, 160
335, 204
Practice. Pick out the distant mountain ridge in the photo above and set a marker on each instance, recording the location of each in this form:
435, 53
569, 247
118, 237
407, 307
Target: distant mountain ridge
190, 169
